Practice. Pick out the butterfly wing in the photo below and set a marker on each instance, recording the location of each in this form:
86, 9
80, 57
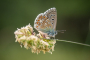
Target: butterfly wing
46, 21
52, 16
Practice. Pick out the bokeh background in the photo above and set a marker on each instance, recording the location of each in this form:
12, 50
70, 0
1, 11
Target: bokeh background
72, 16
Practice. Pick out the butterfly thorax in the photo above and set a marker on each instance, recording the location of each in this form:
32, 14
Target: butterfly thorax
52, 33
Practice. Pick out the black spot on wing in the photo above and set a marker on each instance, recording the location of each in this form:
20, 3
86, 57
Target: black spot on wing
52, 19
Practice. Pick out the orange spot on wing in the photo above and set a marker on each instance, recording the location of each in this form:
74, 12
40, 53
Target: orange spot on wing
36, 26
44, 16
40, 17
38, 20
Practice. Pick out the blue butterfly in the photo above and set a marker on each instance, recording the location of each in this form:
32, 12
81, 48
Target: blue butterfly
46, 22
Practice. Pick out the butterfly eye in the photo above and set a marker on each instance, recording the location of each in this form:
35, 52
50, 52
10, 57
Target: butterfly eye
51, 15
52, 23
55, 32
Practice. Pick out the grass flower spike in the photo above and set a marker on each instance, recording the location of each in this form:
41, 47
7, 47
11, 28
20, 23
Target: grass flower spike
36, 42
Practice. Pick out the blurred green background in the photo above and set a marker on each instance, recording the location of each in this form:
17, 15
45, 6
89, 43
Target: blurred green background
72, 16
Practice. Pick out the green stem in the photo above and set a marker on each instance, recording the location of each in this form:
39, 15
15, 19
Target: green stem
73, 42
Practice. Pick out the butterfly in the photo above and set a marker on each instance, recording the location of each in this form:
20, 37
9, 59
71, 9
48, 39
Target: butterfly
46, 22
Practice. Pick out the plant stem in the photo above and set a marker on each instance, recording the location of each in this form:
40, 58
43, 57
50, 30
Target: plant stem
74, 42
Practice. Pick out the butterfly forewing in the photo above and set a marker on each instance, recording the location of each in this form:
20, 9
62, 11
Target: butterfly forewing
52, 16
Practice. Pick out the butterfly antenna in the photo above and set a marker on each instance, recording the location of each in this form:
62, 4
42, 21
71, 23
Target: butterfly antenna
62, 31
